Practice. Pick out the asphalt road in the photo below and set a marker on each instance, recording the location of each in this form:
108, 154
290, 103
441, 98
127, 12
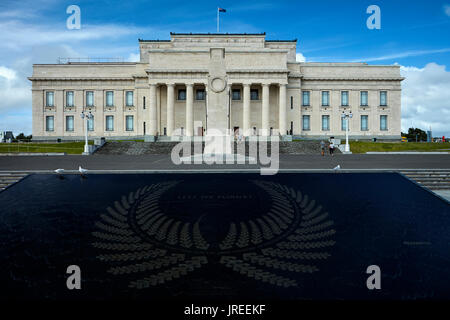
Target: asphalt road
163, 162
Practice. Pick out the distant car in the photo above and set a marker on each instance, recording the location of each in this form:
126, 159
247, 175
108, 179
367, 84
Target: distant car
404, 139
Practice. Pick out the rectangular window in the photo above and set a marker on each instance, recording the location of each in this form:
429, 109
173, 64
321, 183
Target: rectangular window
69, 123
109, 98
129, 123
292, 102
306, 122
69, 99
89, 98
344, 98
129, 99
50, 99
143, 101
90, 123
182, 94
325, 123
254, 94
364, 123
306, 100
383, 98
236, 94
49, 123
364, 98
383, 123
200, 94
325, 98
343, 123
109, 123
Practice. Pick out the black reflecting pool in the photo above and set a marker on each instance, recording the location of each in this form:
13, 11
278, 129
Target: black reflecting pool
223, 236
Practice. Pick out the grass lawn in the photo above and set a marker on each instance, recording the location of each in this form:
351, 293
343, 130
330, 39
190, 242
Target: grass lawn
67, 147
363, 146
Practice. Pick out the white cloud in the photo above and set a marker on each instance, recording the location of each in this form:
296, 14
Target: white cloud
24, 42
134, 57
300, 57
7, 73
15, 34
426, 98
403, 54
447, 9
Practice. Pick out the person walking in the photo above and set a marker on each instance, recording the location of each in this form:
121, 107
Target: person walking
322, 147
331, 147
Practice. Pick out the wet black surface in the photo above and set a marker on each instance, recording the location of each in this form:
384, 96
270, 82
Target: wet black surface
223, 236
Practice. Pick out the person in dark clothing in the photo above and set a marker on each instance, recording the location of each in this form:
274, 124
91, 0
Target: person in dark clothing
331, 148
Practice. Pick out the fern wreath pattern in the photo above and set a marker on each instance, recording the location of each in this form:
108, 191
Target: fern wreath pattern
136, 238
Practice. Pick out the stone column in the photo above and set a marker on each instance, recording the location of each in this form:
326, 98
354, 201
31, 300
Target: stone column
189, 109
170, 108
152, 125
246, 108
282, 111
265, 110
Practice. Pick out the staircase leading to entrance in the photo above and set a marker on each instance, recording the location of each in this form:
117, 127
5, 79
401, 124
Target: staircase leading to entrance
142, 148
433, 179
7, 179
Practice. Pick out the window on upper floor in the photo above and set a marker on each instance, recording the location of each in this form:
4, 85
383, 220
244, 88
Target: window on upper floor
129, 98
364, 98
254, 94
344, 98
383, 98
89, 98
200, 94
109, 98
325, 98
306, 98
181, 94
49, 99
69, 99
236, 94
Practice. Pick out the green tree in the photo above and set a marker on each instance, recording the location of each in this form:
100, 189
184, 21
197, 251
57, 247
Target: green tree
413, 132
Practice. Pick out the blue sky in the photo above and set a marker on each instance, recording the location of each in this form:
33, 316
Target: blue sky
414, 34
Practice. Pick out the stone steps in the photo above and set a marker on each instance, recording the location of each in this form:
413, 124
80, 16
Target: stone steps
431, 179
142, 148
7, 179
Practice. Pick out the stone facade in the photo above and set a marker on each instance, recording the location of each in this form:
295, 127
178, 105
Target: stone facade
196, 82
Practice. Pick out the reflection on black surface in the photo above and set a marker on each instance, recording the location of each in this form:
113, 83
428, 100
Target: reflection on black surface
223, 236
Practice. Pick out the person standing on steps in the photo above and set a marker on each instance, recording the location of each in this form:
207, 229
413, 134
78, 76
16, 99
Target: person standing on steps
331, 147
322, 147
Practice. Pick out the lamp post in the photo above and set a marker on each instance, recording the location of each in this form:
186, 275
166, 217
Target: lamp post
88, 117
347, 116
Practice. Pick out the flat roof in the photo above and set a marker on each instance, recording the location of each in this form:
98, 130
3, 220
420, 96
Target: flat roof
217, 34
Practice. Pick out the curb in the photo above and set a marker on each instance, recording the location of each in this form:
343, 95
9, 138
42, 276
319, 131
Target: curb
406, 152
33, 154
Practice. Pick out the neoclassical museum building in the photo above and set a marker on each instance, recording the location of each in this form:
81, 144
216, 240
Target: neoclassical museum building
192, 83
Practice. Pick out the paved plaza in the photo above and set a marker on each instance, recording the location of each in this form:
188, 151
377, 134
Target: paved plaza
163, 162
